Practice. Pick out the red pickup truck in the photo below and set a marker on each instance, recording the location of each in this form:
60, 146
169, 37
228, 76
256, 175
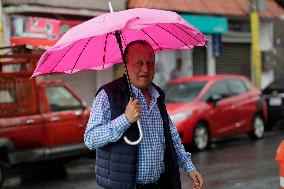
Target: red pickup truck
39, 120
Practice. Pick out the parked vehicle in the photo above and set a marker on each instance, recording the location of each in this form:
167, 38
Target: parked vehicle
204, 108
274, 96
39, 120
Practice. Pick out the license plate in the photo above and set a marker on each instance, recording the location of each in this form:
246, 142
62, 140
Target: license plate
275, 101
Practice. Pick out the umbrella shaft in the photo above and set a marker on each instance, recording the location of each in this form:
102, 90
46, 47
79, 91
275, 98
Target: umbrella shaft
118, 39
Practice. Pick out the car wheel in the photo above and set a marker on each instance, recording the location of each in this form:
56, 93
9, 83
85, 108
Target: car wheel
200, 137
258, 127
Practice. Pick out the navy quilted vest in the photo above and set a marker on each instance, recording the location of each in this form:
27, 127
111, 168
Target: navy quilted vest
116, 162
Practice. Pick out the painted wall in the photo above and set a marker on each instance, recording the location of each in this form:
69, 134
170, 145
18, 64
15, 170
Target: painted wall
266, 35
166, 62
278, 50
85, 4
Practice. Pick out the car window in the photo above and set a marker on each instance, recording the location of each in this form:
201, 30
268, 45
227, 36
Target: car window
17, 97
237, 86
247, 84
183, 92
61, 99
219, 88
7, 96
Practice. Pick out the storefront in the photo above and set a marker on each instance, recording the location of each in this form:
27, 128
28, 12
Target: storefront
199, 60
214, 27
230, 53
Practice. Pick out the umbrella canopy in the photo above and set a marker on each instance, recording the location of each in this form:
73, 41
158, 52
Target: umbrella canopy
92, 45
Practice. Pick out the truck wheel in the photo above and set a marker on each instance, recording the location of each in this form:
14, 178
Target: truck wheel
1, 175
258, 126
201, 137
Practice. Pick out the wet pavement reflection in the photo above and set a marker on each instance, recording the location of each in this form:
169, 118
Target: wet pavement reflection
233, 163
238, 162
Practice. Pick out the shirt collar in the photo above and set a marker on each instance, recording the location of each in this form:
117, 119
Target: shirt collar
151, 88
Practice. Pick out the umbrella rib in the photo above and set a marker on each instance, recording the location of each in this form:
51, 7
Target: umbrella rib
173, 35
45, 58
188, 33
151, 38
124, 40
104, 57
81, 53
62, 57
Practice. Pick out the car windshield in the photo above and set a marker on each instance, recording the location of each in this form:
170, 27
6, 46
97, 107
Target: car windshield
276, 85
183, 92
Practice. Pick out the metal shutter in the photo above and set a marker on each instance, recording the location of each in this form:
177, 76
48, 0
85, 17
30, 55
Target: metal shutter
235, 59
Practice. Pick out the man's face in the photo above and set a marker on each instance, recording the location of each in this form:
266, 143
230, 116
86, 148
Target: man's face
141, 65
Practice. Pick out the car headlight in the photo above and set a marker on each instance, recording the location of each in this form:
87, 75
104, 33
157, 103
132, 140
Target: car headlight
180, 116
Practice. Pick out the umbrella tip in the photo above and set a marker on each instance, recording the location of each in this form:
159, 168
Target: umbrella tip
110, 7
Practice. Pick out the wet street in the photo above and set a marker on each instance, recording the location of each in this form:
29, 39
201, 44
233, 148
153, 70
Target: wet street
234, 163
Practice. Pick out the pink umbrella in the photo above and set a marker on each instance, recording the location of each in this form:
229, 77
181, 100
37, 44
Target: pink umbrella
93, 45
99, 43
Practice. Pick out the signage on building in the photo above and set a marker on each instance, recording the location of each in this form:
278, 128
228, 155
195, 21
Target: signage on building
39, 32
217, 45
208, 24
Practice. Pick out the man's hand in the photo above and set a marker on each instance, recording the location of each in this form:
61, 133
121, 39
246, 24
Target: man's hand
196, 179
133, 111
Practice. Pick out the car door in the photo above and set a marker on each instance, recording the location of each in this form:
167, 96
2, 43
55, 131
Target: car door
20, 118
219, 116
241, 103
65, 121
21, 122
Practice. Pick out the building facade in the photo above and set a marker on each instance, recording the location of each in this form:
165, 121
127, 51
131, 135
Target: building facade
40, 23
225, 22
229, 48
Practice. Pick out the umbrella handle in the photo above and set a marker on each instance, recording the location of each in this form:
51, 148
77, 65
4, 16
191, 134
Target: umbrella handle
118, 38
140, 137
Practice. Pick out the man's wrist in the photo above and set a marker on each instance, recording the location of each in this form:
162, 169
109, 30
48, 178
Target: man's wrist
125, 120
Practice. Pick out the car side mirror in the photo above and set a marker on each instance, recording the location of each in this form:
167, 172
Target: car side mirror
214, 98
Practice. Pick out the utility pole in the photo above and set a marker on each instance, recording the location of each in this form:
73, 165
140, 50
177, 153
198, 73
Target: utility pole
255, 48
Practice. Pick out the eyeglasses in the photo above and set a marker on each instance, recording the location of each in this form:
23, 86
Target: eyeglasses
140, 64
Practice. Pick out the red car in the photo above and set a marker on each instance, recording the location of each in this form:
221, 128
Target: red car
208, 107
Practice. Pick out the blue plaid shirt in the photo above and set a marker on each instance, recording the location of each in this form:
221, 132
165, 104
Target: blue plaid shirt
101, 130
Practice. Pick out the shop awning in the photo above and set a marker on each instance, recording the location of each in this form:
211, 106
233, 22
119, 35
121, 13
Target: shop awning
208, 24
212, 7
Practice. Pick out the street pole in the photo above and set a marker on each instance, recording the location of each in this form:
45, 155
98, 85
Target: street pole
255, 47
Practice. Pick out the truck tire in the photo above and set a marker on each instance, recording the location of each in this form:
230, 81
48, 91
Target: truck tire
4, 165
1, 175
